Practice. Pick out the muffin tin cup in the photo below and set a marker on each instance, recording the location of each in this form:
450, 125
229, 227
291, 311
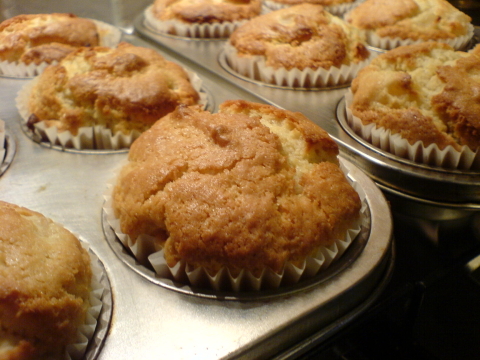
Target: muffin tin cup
255, 68
110, 36
337, 10
432, 155
144, 251
91, 137
178, 28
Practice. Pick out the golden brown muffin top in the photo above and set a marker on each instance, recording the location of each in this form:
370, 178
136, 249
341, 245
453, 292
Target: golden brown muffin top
301, 36
316, 2
426, 92
250, 187
44, 37
410, 19
206, 11
44, 284
126, 88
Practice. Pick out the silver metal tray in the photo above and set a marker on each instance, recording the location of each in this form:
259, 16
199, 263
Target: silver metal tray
151, 321
427, 185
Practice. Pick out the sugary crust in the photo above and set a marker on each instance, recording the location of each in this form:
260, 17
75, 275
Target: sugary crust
301, 36
206, 11
410, 19
249, 187
44, 37
44, 285
426, 92
124, 89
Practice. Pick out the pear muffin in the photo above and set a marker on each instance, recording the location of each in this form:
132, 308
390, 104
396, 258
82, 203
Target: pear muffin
249, 188
45, 282
201, 18
335, 7
424, 93
389, 24
299, 46
45, 37
30, 42
122, 90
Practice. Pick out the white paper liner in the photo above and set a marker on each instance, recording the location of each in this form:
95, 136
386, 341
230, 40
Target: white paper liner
178, 28
109, 36
337, 10
432, 155
96, 137
254, 67
2, 141
144, 251
85, 332
388, 43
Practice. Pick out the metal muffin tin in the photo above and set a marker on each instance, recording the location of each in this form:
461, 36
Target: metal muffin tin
9, 148
151, 321
444, 193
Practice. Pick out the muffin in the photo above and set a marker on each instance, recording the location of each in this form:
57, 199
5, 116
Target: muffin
45, 285
200, 18
28, 43
245, 192
389, 24
299, 46
118, 92
335, 7
420, 102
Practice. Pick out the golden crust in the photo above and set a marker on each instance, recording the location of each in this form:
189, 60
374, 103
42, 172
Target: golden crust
410, 19
44, 285
301, 36
44, 37
425, 92
250, 187
316, 2
124, 89
206, 11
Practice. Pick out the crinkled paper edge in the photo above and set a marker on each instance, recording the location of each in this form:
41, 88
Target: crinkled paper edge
85, 333
143, 250
178, 28
432, 155
96, 137
255, 68
109, 36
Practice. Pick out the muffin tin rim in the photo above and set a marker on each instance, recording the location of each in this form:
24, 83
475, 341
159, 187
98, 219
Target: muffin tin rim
10, 150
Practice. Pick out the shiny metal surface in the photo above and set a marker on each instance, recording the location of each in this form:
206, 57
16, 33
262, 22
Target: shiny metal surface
150, 321
326, 108
10, 149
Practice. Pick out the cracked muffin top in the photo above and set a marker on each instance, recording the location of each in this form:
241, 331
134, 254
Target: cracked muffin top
249, 187
45, 278
301, 36
206, 11
123, 89
425, 92
410, 19
37, 38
